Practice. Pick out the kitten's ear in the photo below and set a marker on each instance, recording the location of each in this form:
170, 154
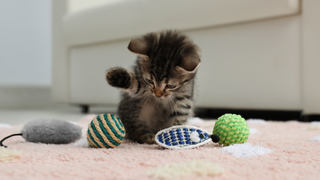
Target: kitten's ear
139, 46
189, 64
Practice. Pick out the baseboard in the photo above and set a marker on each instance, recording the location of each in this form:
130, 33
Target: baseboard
281, 115
310, 117
40, 97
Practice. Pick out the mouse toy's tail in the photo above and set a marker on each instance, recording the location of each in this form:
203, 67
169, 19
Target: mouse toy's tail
1, 142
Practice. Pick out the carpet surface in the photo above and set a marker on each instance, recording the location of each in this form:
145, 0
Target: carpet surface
275, 150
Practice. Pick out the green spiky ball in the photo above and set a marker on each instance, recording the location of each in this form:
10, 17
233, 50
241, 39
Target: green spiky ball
231, 129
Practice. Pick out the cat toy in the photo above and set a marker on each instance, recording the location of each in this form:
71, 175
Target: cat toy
52, 131
229, 129
105, 131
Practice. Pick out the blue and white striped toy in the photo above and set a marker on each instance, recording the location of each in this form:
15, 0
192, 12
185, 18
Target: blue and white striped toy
183, 137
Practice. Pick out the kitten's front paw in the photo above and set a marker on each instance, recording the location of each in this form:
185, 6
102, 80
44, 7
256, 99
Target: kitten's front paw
118, 77
147, 139
179, 122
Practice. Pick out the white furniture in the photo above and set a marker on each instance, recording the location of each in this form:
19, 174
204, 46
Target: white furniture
257, 54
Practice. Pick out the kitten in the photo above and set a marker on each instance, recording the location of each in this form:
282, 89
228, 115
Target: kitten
158, 93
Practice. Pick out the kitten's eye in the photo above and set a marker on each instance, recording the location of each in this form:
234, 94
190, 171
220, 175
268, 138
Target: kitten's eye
149, 81
169, 86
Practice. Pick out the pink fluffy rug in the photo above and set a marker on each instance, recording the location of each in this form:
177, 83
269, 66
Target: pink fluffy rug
277, 150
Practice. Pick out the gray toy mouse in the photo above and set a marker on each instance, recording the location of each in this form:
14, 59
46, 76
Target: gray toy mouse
51, 131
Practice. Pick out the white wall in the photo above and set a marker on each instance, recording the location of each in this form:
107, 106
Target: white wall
25, 42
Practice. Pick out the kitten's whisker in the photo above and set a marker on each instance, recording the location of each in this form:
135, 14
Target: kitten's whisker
182, 104
172, 104
145, 99
131, 102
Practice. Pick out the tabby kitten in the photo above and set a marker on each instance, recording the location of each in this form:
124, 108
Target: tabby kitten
158, 93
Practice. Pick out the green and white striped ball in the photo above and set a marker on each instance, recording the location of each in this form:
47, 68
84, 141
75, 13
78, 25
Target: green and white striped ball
105, 131
231, 129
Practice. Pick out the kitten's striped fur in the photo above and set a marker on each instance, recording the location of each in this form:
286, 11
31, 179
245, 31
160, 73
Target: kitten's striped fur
158, 93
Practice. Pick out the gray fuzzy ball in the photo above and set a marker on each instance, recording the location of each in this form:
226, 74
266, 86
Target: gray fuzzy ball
51, 131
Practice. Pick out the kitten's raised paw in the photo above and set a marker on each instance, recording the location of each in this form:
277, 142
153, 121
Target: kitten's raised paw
147, 139
118, 77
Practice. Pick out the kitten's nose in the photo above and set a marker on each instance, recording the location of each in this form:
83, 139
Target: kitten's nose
158, 93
